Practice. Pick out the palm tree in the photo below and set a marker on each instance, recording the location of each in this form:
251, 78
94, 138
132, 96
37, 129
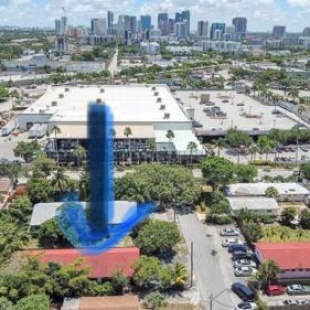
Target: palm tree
152, 146
79, 153
270, 232
127, 133
179, 275
192, 146
60, 181
220, 144
56, 130
84, 186
285, 233
170, 137
269, 271
253, 150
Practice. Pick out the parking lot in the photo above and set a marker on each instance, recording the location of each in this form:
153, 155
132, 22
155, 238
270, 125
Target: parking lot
241, 111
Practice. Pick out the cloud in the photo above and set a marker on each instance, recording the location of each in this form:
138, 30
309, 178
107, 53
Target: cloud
301, 3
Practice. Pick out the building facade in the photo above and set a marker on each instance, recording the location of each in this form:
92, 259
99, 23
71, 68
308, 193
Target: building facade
240, 24
203, 29
217, 26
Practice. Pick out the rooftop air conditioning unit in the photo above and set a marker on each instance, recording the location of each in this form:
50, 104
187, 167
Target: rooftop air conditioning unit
166, 115
67, 89
162, 107
102, 90
54, 103
156, 93
42, 111
98, 100
153, 88
61, 96
158, 99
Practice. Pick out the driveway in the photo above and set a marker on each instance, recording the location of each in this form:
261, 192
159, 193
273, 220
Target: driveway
212, 273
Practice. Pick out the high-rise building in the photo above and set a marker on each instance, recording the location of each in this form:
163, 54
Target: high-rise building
98, 26
203, 29
110, 17
178, 17
230, 34
163, 23
145, 23
217, 26
240, 24
64, 24
278, 32
186, 17
181, 30
133, 25
58, 28
306, 32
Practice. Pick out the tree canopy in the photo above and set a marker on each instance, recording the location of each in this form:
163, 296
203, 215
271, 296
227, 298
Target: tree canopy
27, 150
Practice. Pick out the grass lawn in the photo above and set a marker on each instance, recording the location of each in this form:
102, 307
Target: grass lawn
284, 234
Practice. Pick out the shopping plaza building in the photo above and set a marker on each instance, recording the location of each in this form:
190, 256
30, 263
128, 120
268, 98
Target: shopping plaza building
148, 110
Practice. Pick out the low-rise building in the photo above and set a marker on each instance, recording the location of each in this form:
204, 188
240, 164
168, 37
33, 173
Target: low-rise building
254, 204
295, 192
130, 302
293, 258
101, 266
222, 46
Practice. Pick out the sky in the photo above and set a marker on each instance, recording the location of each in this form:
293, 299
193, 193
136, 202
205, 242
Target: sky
261, 14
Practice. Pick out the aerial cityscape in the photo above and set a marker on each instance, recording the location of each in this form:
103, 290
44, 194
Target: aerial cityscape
209, 155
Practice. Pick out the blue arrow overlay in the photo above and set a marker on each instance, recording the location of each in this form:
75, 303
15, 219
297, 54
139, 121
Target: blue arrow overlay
90, 228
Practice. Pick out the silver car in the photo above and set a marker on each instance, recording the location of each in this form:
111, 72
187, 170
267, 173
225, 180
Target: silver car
245, 271
244, 263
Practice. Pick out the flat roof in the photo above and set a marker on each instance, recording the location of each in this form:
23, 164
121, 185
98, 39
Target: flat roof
252, 203
258, 189
43, 212
80, 132
129, 103
237, 108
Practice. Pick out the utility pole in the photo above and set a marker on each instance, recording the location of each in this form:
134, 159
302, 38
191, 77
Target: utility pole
211, 302
192, 262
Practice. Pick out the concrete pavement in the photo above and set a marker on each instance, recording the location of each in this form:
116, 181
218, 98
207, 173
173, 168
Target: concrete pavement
210, 272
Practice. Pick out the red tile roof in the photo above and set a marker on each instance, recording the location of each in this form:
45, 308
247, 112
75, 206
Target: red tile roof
101, 266
294, 255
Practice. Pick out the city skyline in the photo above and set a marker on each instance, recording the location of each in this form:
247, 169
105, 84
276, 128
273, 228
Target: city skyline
262, 15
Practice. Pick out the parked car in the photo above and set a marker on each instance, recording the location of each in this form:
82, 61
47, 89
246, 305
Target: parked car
244, 263
297, 289
245, 271
275, 290
243, 291
226, 242
236, 255
290, 302
236, 247
305, 302
246, 306
229, 232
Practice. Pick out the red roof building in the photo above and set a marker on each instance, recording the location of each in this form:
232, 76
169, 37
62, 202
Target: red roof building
293, 258
101, 266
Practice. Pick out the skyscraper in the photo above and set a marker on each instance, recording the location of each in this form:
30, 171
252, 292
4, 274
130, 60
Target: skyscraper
278, 32
178, 17
145, 23
110, 19
163, 23
186, 17
217, 26
181, 30
58, 27
240, 24
203, 29
98, 26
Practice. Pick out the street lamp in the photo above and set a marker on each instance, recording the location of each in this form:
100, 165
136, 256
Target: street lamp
213, 298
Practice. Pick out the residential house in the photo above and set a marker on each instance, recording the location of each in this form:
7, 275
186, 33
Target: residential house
101, 266
130, 302
293, 258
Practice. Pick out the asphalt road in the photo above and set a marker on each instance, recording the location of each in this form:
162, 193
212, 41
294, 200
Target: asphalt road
209, 271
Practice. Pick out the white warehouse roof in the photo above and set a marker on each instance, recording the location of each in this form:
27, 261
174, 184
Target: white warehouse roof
252, 203
129, 103
258, 189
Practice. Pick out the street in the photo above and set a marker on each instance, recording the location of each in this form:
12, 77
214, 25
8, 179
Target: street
113, 64
209, 273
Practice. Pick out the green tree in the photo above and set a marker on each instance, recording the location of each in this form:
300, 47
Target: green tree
11, 170
39, 190
155, 301
219, 203
27, 150
119, 282
83, 186
38, 302
56, 130
192, 146
179, 276
219, 171
305, 170
305, 219
268, 271
4, 93
5, 304
301, 108
245, 173
50, 236
170, 136
127, 134
220, 144
43, 167
253, 231
237, 138
157, 238
60, 181
80, 154
266, 144
288, 214
20, 209
272, 192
